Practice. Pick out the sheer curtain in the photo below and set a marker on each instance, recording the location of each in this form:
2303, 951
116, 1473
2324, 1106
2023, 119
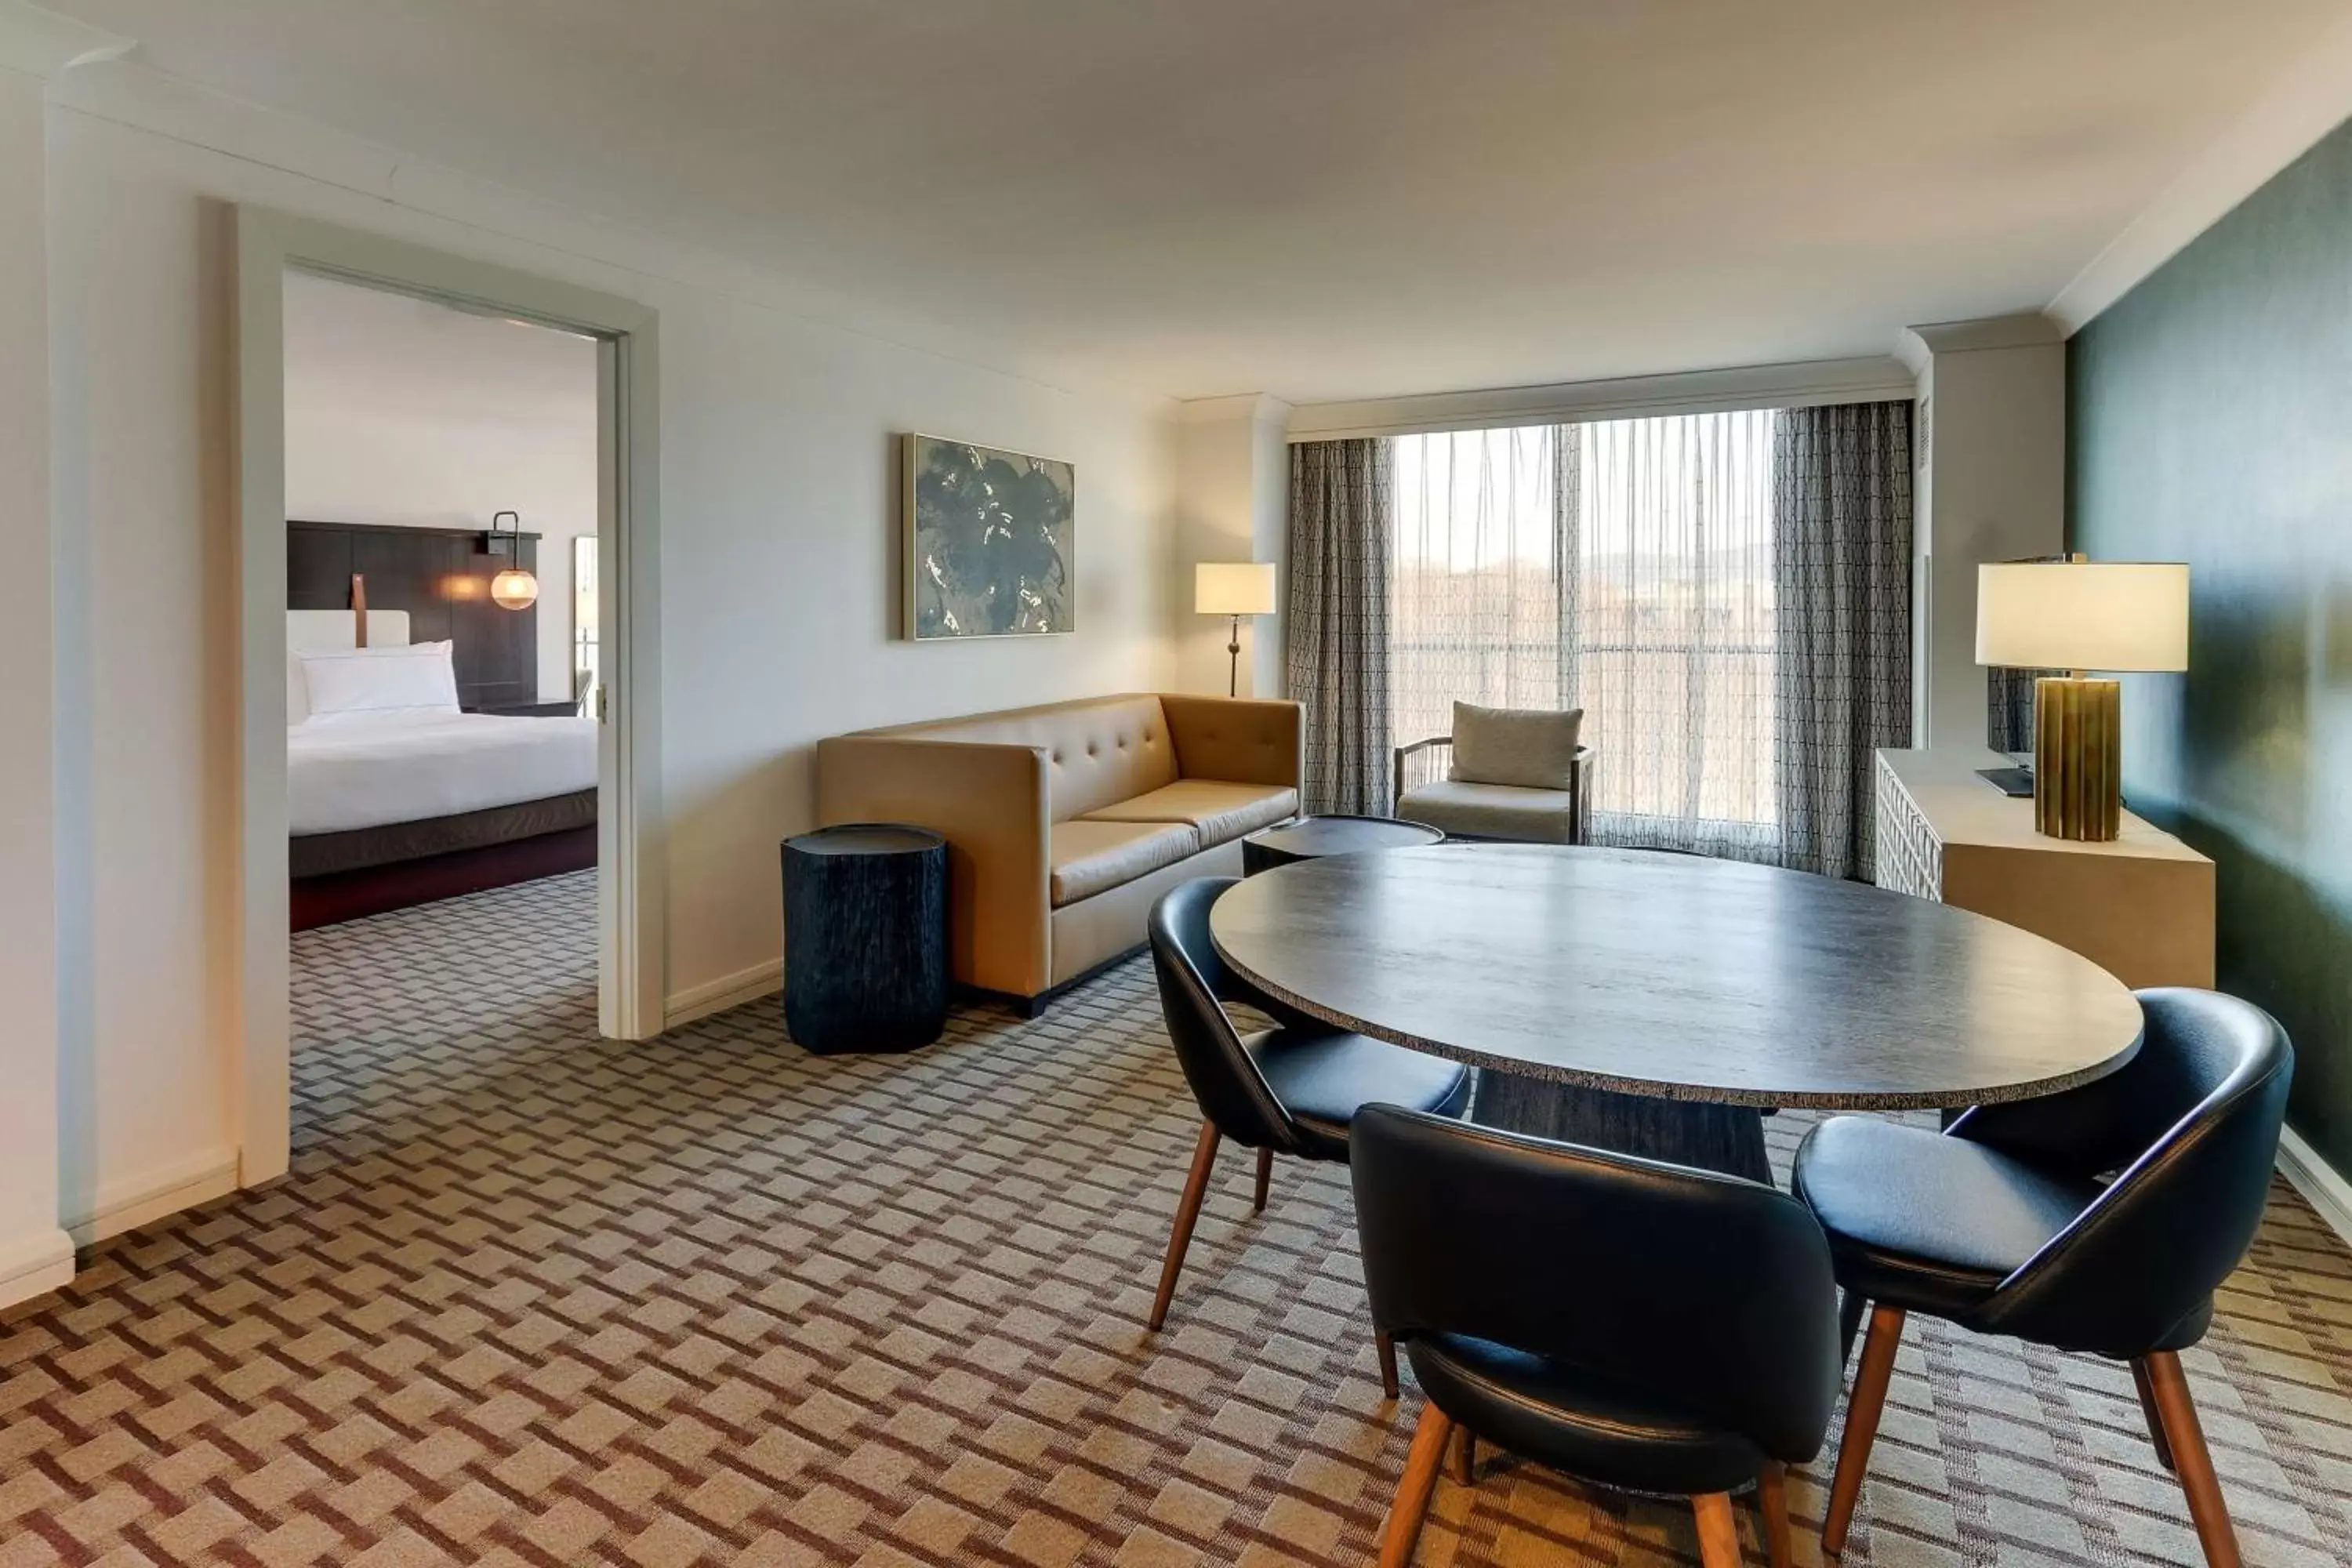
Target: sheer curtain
1625, 567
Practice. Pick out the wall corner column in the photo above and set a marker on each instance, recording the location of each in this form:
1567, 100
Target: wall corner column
1990, 459
1233, 502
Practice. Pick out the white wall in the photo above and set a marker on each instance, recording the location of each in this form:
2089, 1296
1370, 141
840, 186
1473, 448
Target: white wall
779, 522
34, 1252
405, 412
1994, 489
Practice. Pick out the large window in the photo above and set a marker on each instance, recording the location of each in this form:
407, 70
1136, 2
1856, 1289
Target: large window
1625, 567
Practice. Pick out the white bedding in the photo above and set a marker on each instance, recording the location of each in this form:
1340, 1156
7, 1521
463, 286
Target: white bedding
405, 768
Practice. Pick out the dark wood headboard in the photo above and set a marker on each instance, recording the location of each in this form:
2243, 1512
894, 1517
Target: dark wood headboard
442, 578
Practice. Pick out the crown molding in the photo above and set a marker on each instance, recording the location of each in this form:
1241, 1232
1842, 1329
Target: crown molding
1802, 385
2303, 106
2026, 330
1258, 406
42, 43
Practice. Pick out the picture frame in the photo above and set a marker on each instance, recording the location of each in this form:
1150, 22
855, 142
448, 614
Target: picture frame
990, 541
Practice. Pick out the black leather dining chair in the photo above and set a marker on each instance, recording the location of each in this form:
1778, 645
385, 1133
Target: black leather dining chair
1644, 1326
1292, 1090
2100, 1219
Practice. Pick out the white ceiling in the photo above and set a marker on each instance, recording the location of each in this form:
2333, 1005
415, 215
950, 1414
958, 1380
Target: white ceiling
1316, 198
352, 350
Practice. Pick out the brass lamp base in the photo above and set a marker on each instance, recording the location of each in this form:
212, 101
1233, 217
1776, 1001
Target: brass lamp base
2078, 750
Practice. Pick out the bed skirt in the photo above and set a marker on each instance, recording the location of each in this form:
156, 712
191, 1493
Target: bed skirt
341, 876
326, 854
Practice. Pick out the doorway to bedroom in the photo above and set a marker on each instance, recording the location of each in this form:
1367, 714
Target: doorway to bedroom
448, 570
441, 604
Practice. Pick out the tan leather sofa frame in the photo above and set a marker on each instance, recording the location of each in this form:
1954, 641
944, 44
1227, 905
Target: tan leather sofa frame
1065, 823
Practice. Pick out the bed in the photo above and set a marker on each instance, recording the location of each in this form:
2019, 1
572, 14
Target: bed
396, 796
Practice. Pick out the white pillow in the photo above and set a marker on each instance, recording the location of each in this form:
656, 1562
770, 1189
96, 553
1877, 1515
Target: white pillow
363, 684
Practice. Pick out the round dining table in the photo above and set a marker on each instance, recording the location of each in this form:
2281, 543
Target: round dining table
1659, 1003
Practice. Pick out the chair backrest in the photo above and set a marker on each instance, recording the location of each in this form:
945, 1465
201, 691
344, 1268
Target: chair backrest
2192, 1123
1707, 1290
1193, 986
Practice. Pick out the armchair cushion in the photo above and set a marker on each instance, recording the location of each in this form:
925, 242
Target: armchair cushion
1220, 811
1526, 748
1493, 811
1085, 856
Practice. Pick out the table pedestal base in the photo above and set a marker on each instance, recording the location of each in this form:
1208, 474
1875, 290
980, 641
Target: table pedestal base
1726, 1138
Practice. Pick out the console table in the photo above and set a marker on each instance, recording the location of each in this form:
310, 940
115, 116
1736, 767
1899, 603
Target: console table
2141, 907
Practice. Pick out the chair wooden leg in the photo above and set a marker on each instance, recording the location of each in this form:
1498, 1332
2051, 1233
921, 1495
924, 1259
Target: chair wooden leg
1851, 1308
1718, 1530
1772, 1498
1387, 1349
1862, 1408
1412, 1491
1265, 1175
1465, 1455
2191, 1461
1188, 1213
2154, 1416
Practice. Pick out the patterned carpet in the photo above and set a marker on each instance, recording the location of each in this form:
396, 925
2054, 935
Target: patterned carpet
528, 1298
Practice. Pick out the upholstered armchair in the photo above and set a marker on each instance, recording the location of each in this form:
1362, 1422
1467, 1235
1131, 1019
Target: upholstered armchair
1508, 773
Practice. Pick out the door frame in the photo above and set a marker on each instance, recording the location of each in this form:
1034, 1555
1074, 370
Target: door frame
631, 963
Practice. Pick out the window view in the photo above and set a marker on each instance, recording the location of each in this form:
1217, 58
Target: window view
1625, 567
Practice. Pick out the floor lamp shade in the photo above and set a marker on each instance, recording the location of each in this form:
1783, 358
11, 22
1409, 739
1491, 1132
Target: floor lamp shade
1235, 588
2078, 617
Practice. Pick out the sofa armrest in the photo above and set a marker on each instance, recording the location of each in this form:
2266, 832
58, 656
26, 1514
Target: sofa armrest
990, 802
1236, 740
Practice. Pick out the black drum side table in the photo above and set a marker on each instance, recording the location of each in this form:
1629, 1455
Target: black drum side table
1333, 833
865, 937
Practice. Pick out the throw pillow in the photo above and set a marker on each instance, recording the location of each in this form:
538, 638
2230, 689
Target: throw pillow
1531, 748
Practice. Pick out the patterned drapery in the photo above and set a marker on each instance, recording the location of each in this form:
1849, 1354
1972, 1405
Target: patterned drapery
1336, 655
1842, 579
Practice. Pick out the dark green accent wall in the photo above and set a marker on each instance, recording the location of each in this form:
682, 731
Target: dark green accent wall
2210, 420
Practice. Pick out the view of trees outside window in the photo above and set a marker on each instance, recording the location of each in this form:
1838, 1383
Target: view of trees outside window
1622, 566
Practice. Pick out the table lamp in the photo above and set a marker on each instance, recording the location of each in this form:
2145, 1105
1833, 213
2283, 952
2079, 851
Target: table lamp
1236, 588
2079, 616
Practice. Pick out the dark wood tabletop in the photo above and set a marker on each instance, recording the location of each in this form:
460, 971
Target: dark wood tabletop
1678, 977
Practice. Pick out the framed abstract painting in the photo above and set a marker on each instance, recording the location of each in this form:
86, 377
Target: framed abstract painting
991, 542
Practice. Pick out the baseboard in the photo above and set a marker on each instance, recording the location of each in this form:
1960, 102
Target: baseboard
35, 1264
130, 1202
2322, 1186
727, 990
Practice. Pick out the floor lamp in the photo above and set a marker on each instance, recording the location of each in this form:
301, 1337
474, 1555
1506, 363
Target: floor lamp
1235, 588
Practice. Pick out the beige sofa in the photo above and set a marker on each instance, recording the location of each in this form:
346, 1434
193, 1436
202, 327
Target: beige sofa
1065, 823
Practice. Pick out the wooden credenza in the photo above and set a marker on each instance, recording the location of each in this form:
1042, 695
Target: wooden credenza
2141, 907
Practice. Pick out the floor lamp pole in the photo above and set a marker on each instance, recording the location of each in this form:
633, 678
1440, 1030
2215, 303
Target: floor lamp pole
1233, 661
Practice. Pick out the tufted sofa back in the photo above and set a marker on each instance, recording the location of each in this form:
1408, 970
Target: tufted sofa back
1098, 751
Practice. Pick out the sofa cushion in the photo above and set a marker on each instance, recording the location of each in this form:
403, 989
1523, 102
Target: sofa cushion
1085, 856
1493, 811
1526, 748
1223, 812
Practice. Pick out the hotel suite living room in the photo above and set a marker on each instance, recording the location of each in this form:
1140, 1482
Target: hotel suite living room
1540, 780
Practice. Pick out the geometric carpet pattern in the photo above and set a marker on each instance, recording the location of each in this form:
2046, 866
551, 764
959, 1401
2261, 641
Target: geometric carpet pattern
532, 1297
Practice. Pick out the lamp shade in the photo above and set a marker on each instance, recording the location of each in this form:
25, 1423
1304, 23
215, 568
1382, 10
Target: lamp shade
2082, 615
514, 589
1234, 588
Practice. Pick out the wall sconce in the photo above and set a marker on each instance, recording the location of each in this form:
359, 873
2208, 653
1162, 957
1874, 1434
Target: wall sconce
514, 588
